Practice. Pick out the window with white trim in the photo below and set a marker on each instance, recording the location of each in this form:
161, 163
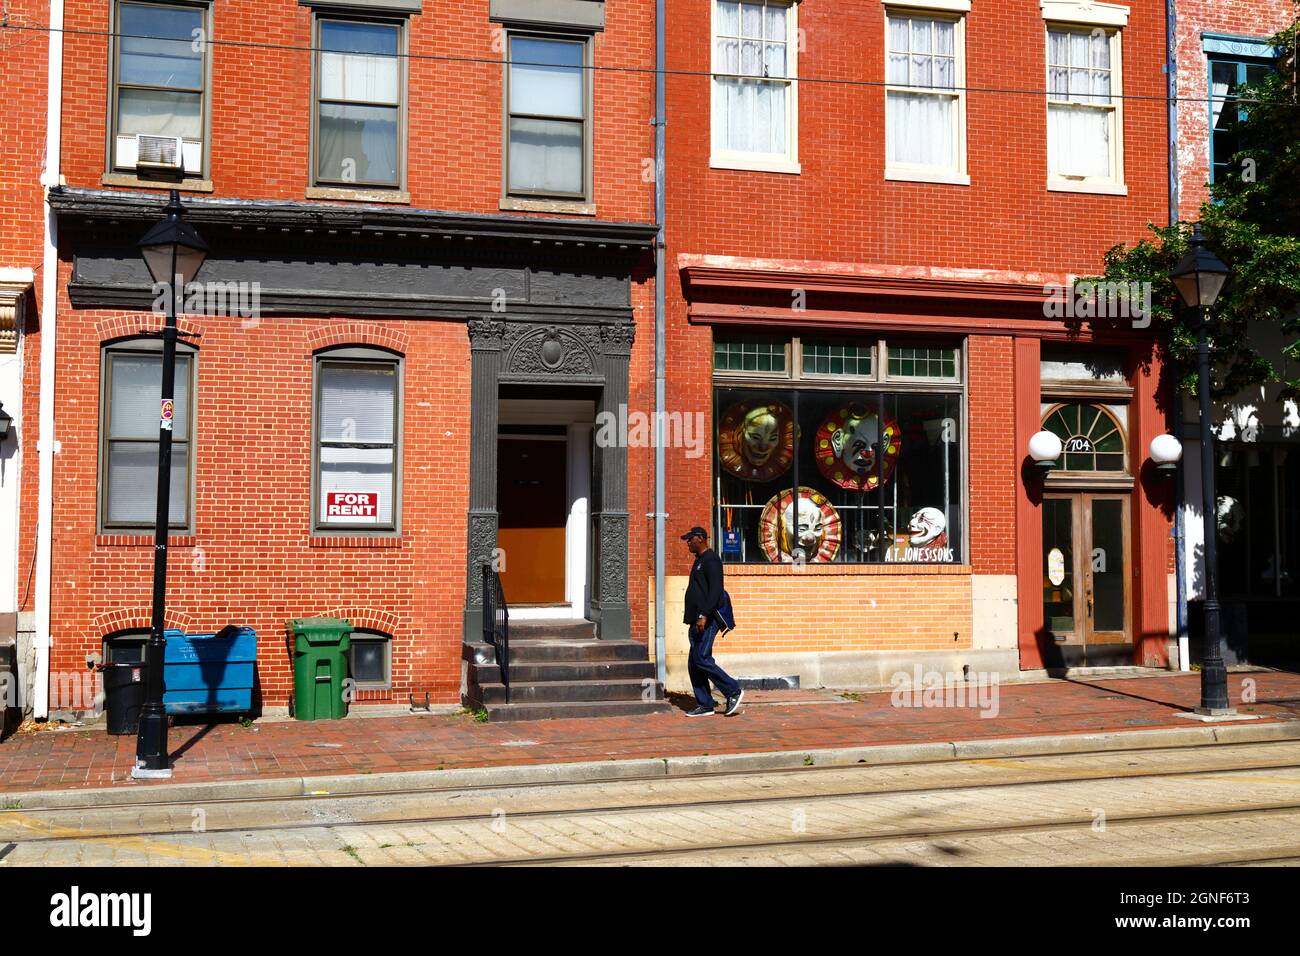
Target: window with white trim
1084, 122
755, 108
925, 104
356, 451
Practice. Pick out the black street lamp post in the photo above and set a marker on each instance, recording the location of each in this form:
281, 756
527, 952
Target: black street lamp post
174, 253
1199, 276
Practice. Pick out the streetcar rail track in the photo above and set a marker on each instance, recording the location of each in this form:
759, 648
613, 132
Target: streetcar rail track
625, 809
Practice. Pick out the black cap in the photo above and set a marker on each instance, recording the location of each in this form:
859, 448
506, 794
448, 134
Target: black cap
693, 532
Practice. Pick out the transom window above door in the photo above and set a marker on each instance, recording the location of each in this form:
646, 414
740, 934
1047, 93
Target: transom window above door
1092, 438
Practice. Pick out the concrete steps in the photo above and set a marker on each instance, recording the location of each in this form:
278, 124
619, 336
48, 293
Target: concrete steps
558, 669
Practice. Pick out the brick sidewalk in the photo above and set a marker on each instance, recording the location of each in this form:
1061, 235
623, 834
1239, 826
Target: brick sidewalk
771, 720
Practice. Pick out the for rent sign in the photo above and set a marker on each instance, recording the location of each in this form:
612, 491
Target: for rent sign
345, 505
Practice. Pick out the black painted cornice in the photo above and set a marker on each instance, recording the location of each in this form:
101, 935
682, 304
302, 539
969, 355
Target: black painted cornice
101, 206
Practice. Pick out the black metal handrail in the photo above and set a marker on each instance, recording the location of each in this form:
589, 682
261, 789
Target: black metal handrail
496, 622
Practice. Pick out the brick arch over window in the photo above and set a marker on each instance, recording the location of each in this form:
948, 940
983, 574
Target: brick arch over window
370, 619
358, 333
134, 619
134, 324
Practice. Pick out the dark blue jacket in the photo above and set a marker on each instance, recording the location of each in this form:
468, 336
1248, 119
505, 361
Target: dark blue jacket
704, 591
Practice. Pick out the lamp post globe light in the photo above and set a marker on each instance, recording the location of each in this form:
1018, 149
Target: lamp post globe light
1166, 451
1199, 277
1045, 448
173, 252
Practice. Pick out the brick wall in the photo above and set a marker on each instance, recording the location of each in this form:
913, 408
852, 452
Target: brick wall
849, 608
261, 104
252, 559
841, 209
1244, 18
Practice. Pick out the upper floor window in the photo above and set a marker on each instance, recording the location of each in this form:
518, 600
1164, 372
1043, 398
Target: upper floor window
548, 117
755, 112
359, 85
131, 383
159, 80
1227, 76
1084, 128
356, 451
925, 104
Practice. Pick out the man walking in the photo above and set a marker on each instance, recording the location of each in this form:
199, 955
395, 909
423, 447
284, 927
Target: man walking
703, 596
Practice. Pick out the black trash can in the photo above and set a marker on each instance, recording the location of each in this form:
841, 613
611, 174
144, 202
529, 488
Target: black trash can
123, 697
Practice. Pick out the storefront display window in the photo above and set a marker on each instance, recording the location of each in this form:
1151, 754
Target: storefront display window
879, 466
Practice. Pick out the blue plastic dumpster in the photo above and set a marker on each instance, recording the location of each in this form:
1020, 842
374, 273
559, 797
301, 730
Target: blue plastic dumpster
210, 673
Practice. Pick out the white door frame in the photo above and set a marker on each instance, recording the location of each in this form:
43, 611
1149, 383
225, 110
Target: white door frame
578, 417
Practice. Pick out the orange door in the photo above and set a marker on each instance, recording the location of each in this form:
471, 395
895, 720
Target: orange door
532, 502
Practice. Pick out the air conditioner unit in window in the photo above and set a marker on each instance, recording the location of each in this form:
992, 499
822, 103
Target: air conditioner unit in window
158, 152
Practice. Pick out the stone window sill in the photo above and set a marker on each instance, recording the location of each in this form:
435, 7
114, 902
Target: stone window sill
359, 195
573, 207
135, 182
1099, 189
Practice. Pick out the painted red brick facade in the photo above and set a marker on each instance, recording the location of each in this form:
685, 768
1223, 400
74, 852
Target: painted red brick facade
839, 220
1257, 19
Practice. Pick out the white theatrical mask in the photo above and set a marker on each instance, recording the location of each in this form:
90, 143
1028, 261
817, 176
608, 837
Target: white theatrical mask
811, 522
926, 526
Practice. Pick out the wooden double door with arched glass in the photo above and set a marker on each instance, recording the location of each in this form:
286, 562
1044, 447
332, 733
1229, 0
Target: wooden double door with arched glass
1087, 577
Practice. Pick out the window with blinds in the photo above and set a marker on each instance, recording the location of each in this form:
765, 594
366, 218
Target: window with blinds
132, 387
356, 448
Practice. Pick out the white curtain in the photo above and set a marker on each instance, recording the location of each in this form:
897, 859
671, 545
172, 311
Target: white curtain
546, 155
1219, 93
159, 112
919, 129
749, 115
358, 140
1078, 140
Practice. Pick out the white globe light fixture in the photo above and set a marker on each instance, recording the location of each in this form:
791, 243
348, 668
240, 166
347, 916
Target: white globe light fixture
1045, 449
1166, 452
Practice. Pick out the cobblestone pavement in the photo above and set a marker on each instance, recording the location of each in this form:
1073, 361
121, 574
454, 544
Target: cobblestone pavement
1235, 804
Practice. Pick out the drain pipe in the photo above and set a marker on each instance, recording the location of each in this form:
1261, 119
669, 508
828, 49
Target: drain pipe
46, 446
661, 664
1180, 492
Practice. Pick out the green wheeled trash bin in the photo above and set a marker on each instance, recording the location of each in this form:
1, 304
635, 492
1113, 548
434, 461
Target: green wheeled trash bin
320, 665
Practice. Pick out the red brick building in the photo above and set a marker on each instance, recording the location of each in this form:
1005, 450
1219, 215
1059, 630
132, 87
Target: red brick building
870, 207
431, 280
413, 249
